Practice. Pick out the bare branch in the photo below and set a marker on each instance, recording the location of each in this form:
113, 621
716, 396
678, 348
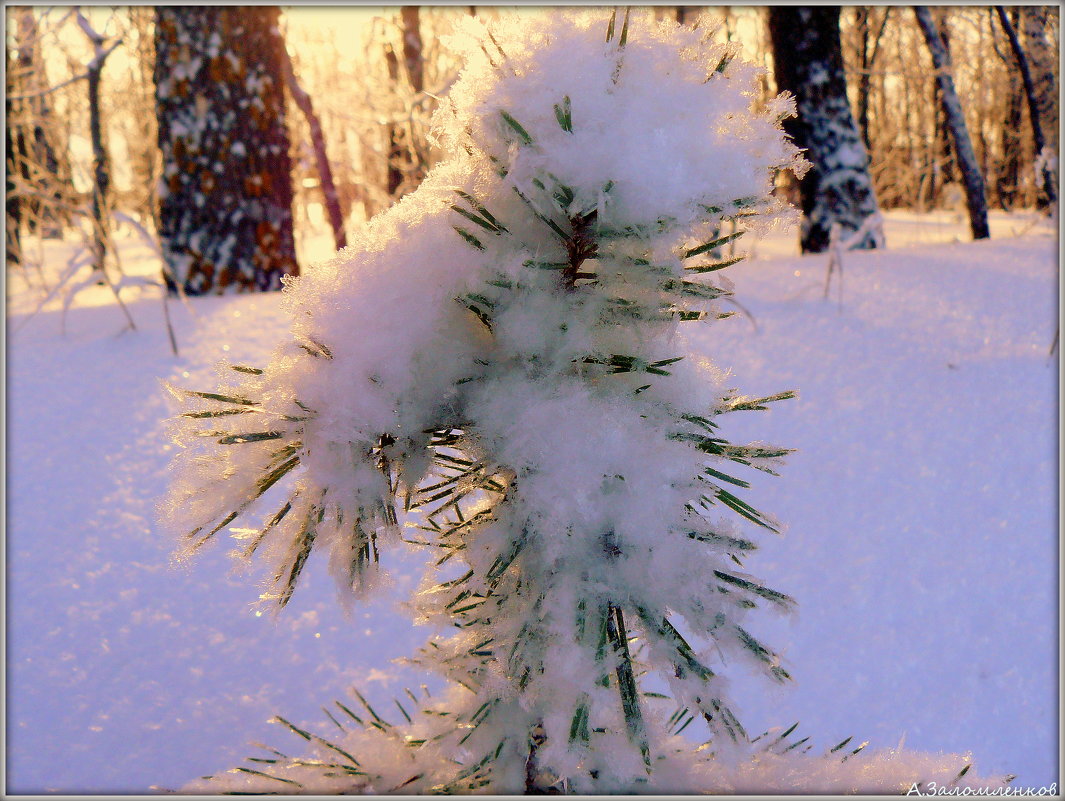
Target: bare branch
101, 55
50, 89
86, 28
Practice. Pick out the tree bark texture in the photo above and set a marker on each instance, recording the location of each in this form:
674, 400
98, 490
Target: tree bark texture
808, 63
1008, 175
1043, 60
869, 49
101, 173
13, 206
405, 166
1034, 112
963, 148
412, 47
226, 189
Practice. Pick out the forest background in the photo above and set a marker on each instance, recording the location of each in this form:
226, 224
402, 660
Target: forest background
372, 77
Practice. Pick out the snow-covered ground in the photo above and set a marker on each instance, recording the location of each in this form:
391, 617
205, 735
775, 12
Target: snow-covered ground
921, 506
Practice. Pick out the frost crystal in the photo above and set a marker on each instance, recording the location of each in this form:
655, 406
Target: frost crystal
495, 364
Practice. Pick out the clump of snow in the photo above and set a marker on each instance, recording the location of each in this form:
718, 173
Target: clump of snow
656, 127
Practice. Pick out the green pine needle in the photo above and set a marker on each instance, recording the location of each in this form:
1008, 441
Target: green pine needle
625, 28
578, 729
260, 436
725, 477
713, 243
470, 238
733, 543
254, 772
778, 598
517, 126
215, 413
541, 217
215, 396
961, 774
479, 207
492, 229
743, 508
295, 729
756, 404
546, 265
316, 348
855, 751
836, 748
564, 115
715, 266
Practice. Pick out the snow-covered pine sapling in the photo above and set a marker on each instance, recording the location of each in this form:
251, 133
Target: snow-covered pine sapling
496, 370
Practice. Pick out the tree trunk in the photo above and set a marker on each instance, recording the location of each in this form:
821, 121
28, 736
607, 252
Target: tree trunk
686, 14
808, 62
101, 167
963, 148
412, 47
1034, 115
226, 190
398, 153
101, 173
321, 158
1043, 61
946, 154
13, 205
1008, 174
405, 166
867, 60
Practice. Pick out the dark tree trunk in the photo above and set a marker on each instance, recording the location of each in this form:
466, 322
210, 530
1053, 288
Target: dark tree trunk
13, 204
808, 62
1034, 115
868, 50
945, 154
963, 148
405, 167
686, 14
1043, 61
941, 156
1008, 174
101, 173
412, 47
226, 190
398, 153
321, 158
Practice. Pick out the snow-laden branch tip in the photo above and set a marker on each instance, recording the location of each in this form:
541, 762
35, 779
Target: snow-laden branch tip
505, 365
